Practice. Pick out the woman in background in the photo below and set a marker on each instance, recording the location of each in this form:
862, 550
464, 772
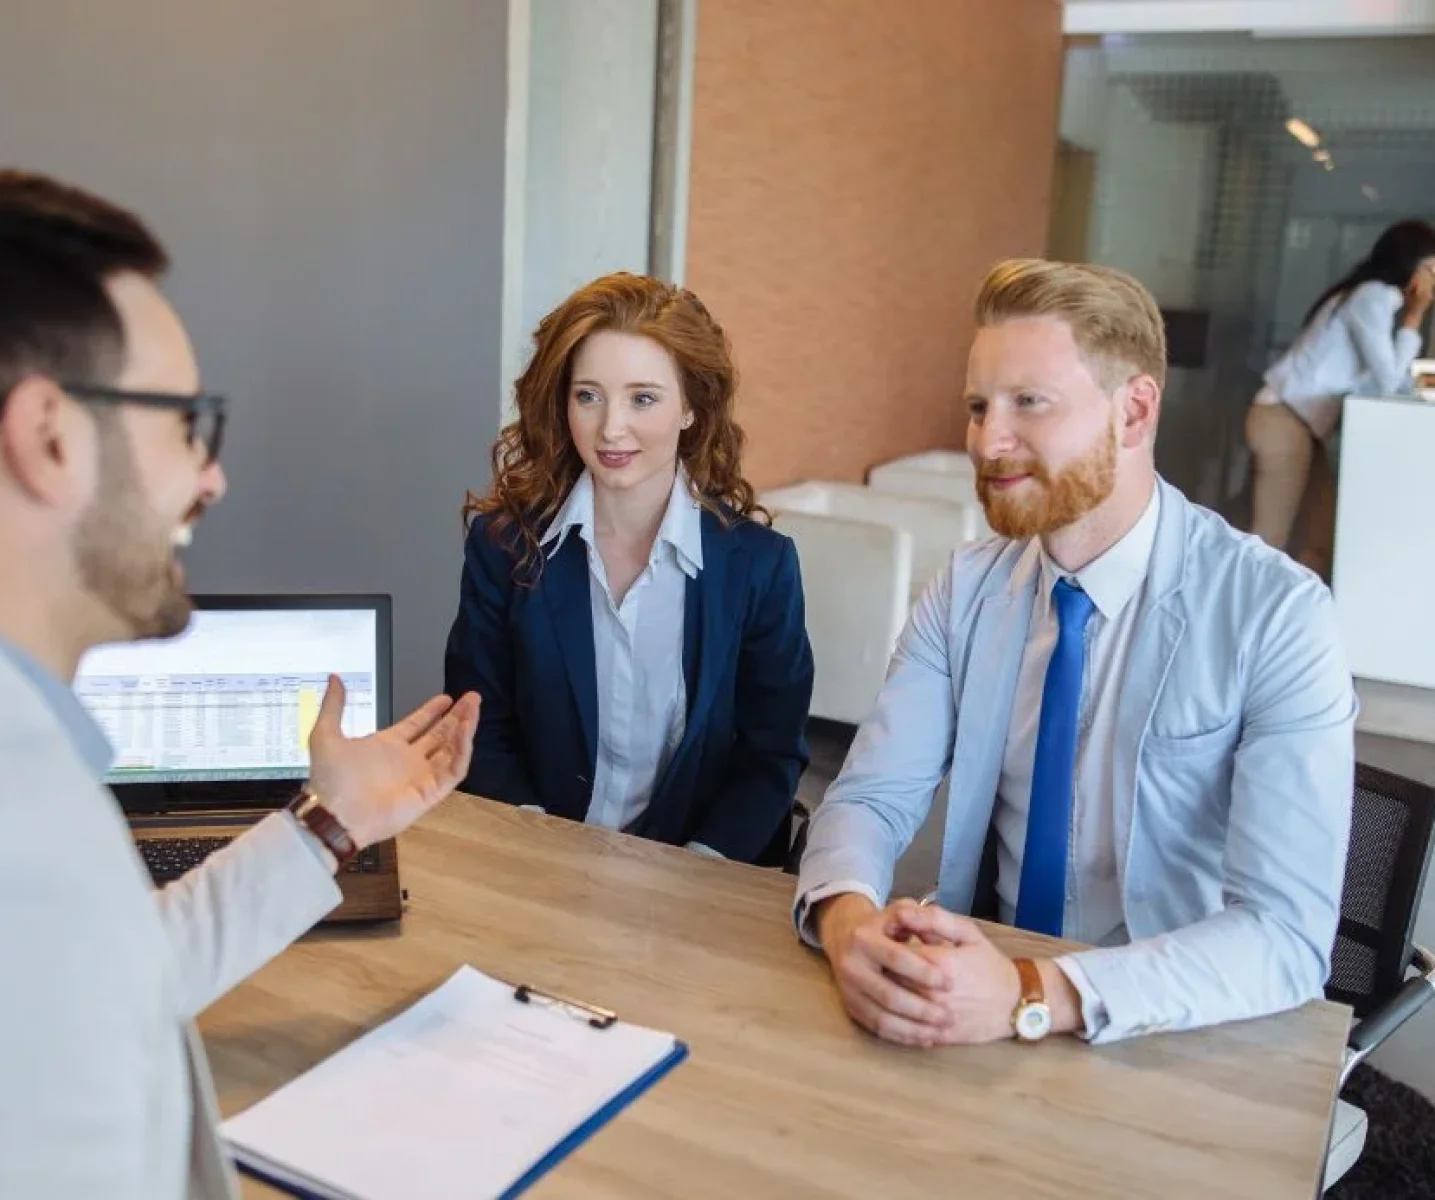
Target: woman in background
1349, 343
636, 632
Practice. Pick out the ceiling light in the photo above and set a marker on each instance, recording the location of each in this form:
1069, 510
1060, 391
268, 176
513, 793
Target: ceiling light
1370, 193
1302, 133
1321, 156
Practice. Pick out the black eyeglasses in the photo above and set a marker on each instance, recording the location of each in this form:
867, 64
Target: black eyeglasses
203, 411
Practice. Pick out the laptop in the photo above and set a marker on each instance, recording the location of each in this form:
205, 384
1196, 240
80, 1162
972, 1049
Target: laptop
211, 729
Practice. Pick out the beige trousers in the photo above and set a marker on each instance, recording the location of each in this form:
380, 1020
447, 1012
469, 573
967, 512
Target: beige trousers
1292, 481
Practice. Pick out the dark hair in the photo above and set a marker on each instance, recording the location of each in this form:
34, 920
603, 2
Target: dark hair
1394, 259
58, 245
535, 463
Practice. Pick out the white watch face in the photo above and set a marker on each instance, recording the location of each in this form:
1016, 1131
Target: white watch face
1033, 1022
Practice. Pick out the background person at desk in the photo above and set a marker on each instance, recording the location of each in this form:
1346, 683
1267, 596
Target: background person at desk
637, 635
1150, 711
108, 458
1349, 343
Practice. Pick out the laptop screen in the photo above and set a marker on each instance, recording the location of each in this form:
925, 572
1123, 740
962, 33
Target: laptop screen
235, 696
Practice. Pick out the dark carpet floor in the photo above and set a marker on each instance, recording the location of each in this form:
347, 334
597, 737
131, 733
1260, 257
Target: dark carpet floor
1398, 1162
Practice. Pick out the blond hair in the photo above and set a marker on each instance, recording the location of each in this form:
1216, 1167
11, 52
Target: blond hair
1115, 320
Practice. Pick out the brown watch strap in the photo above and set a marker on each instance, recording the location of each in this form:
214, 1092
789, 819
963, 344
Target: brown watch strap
324, 825
1031, 990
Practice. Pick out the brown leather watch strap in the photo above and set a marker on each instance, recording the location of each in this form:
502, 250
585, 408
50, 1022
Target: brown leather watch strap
1031, 990
324, 825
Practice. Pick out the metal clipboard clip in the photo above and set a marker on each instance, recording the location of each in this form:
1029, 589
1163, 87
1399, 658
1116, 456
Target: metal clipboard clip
598, 1018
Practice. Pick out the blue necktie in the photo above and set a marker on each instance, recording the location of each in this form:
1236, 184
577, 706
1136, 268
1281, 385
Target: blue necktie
1041, 902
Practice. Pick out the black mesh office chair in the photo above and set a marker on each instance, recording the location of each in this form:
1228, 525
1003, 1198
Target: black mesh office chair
1375, 951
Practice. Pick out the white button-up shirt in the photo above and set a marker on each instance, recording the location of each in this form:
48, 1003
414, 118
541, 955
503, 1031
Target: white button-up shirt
638, 648
1348, 347
1093, 898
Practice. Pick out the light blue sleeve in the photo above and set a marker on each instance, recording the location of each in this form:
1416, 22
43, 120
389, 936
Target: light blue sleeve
899, 757
243, 905
1269, 948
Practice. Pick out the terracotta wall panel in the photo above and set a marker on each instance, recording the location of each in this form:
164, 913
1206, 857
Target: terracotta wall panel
857, 165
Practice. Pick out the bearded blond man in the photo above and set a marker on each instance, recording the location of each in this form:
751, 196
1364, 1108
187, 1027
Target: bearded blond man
1145, 718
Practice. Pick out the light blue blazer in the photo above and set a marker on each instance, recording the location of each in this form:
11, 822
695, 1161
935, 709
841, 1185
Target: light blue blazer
1235, 765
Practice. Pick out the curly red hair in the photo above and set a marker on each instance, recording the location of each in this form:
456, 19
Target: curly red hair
535, 463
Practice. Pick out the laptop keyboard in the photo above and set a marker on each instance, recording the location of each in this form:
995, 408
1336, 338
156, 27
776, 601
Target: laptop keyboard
169, 858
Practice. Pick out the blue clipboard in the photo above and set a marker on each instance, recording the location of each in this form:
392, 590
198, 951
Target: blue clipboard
598, 1019
596, 1122
279, 1185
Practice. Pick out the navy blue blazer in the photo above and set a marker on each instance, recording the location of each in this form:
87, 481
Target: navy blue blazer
528, 651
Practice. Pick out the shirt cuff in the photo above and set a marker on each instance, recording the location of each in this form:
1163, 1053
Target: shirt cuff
802, 913
316, 847
705, 851
538, 808
1094, 1017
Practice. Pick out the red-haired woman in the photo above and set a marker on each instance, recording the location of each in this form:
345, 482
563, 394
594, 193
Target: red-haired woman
634, 627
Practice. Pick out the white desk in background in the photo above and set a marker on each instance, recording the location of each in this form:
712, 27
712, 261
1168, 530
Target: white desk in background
1384, 573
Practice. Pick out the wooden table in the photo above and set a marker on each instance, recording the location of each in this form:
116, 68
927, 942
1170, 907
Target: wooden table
782, 1096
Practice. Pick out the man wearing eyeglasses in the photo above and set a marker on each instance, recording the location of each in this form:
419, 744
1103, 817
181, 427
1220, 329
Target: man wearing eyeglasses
109, 457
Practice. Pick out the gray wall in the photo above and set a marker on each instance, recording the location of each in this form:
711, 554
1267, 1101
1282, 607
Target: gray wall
329, 177
589, 165
584, 90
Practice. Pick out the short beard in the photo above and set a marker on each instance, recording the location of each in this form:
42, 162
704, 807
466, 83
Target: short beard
123, 561
1059, 500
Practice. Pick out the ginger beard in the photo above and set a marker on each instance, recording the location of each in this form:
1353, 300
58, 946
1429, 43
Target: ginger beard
1045, 502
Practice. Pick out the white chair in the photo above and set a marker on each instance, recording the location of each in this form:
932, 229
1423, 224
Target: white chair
856, 579
1347, 1139
935, 475
937, 526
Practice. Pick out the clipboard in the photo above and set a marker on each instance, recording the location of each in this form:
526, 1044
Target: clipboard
302, 1141
599, 1019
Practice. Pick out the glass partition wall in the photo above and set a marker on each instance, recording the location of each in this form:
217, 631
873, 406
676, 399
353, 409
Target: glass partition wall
1237, 177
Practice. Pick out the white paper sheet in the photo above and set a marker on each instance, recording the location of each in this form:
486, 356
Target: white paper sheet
458, 1096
